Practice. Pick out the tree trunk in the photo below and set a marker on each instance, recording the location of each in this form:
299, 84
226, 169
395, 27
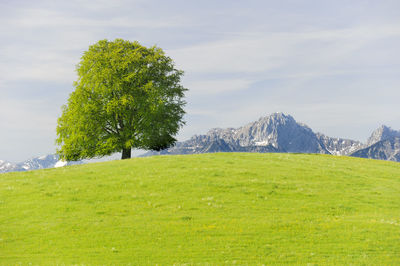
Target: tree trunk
126, 154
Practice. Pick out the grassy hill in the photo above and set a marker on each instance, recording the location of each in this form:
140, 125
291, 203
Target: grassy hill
215, 209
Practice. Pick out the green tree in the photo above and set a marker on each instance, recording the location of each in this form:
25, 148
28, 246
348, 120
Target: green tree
126, 96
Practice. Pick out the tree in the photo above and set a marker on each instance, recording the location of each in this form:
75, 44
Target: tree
126, 96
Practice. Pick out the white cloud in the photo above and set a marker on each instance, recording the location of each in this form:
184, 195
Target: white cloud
41, 43
232, 55
43, 63
44, 18
292, 53
87, 16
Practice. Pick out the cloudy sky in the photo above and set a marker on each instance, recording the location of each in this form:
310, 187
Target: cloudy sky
334, 65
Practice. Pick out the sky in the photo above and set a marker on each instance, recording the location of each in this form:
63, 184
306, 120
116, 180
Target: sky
333, 65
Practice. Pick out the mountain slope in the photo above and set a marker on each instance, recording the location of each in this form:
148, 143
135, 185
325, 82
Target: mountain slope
339, 146
214, 209
382, 133
387, 149
41, 162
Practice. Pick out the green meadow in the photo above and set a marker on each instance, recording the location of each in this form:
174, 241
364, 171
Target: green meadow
209, 209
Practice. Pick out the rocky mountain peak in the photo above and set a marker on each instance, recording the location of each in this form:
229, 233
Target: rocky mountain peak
282, 132
382, 133
274, 133
277, 118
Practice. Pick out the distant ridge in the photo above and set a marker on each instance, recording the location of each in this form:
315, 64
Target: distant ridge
339, 146
42, 162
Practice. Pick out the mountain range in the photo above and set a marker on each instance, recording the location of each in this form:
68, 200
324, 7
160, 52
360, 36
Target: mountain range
281, 133
274, 133
42, 162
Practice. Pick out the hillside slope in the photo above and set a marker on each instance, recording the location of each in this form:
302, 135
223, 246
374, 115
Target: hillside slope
223, 208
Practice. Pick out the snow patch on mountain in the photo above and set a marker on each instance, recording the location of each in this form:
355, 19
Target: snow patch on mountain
60, 163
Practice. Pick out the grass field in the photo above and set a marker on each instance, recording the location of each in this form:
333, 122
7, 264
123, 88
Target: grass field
210, 209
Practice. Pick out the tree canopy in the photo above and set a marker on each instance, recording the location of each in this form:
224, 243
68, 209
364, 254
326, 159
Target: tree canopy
126, 96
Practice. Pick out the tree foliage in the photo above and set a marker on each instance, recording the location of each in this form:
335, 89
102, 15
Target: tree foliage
126, 96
